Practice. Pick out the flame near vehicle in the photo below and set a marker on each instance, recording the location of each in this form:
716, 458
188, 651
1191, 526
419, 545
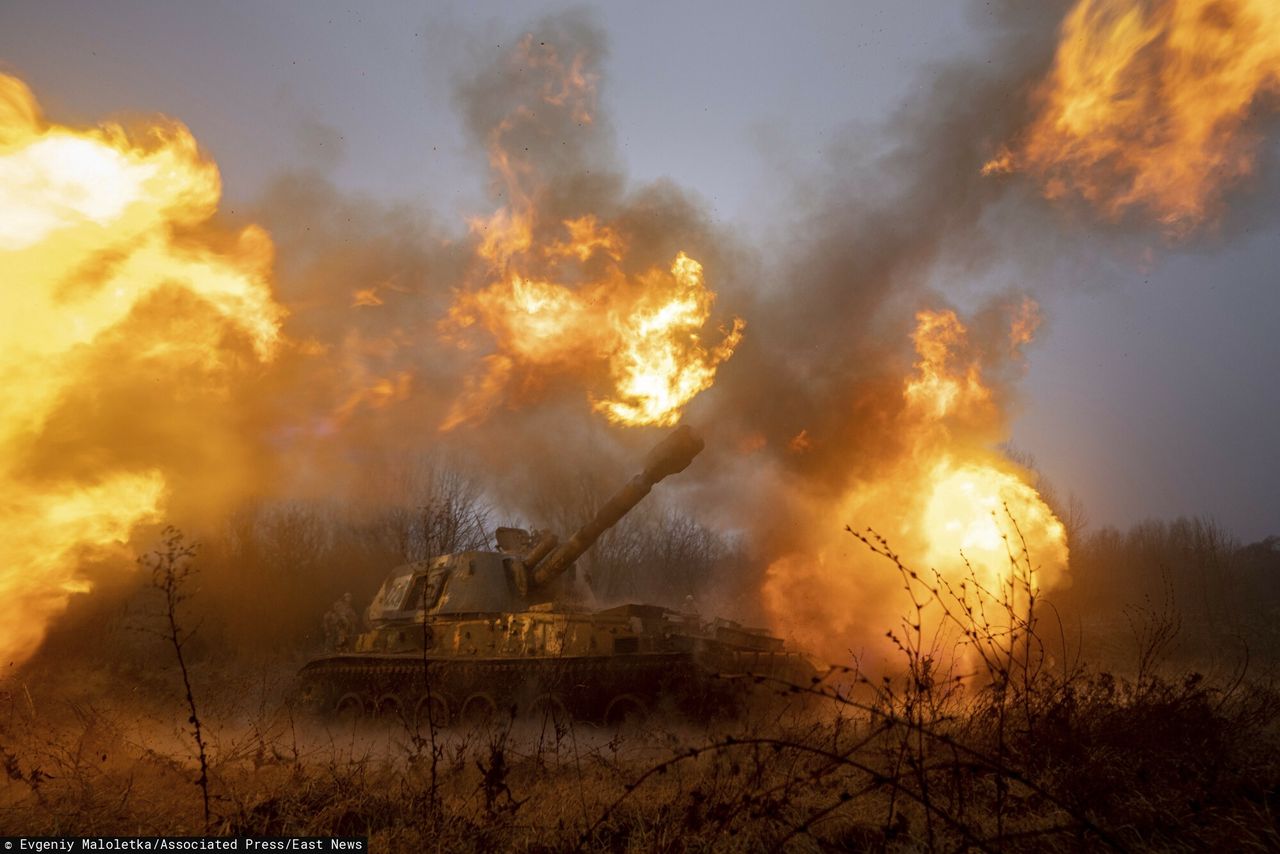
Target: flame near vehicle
943, 498
128, 319
141, 335
140, 330
560, 298
1147, 106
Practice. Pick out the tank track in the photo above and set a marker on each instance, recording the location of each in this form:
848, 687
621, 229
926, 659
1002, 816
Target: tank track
590, 688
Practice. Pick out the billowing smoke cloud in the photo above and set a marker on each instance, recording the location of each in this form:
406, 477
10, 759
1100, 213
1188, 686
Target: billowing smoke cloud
824, 406
578, 301
188, 367
827, 394
540, 337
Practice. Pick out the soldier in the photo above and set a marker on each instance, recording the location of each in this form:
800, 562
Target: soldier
340, 624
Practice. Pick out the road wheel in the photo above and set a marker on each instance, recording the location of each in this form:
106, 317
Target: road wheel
626, 712
549, 711
438, 707
350, 708
389, 707
479, 710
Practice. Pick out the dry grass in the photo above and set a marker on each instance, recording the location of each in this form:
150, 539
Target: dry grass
1030, 751
1093, 762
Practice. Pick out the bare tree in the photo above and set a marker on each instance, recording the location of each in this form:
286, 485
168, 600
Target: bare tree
293, 538
442, 509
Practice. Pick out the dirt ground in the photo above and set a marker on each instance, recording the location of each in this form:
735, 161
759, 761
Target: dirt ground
1094, 761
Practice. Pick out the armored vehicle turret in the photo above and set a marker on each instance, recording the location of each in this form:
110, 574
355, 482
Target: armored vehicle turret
480, 634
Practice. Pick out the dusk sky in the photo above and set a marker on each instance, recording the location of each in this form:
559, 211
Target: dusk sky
1151, 391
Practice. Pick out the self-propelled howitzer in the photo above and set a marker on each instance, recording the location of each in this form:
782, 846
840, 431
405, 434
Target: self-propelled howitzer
476, 634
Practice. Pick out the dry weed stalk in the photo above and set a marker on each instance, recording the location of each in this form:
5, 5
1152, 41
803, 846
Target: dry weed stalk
171, 567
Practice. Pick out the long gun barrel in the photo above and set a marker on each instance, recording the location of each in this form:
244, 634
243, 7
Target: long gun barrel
670, 456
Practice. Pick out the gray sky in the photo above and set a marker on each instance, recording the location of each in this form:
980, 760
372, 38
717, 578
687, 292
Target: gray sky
1153, 391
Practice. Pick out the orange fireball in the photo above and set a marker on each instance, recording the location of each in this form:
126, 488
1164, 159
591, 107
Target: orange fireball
1147, 106
558, 297
944, 498
111, 294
